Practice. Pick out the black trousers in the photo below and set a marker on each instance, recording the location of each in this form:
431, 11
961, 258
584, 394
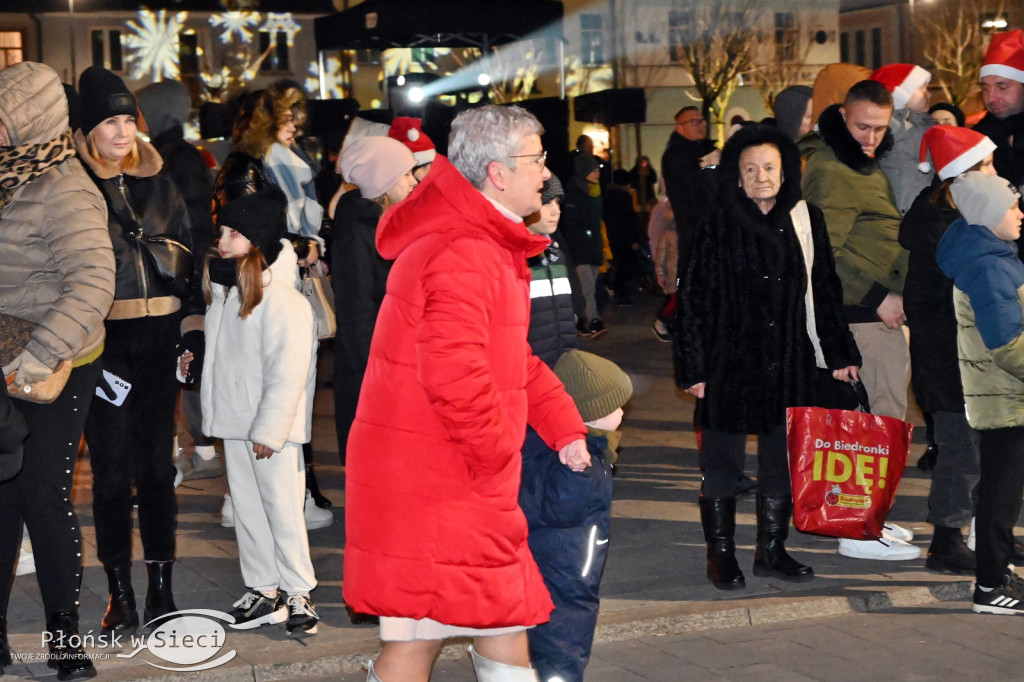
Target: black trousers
999, 501
131, 443
722, 457
40, 496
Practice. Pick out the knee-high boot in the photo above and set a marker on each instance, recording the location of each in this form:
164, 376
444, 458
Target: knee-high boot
492, 671
159, 599
771, 558
121, 615
718, 517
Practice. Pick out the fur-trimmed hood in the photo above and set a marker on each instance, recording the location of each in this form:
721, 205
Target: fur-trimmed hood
836, 135
731, 193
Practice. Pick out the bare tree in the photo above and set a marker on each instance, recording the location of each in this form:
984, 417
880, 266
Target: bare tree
716, 42
953, 41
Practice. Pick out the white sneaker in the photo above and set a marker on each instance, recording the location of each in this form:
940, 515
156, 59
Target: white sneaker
26, 559
891, 530
315, 516
971, 537
227, 512
884, 549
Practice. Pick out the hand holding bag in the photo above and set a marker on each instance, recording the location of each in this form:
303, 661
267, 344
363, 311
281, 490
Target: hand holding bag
14, 336
316, 287
846, 467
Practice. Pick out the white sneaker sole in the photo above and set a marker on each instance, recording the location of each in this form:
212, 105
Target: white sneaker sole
277, 617
997, 610
322, 522
301, 632
882, 554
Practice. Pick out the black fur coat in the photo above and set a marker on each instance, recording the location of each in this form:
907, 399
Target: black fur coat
741, 313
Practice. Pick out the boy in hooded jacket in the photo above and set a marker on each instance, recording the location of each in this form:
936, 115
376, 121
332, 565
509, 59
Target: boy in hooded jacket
979, 252
569, 515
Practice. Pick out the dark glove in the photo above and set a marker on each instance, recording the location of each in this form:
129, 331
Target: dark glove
195, 342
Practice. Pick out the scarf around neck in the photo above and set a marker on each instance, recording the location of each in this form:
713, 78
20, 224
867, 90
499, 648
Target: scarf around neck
22, 164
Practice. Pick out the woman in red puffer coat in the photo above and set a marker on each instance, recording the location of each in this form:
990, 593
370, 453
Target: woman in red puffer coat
436, 541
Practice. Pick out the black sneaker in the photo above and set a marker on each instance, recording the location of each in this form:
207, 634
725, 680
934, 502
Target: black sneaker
1007, 600
256, 609
302, 616
597, 327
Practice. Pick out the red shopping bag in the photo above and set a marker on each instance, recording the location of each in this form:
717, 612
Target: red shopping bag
846, 467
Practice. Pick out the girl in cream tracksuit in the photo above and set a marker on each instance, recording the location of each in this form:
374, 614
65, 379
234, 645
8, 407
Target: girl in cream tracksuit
257, 395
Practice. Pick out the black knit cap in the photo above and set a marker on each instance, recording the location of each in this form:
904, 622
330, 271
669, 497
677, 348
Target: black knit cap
261, 217
102, 94
552, 190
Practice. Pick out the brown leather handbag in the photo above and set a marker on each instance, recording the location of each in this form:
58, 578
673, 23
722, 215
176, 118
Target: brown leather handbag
14, 336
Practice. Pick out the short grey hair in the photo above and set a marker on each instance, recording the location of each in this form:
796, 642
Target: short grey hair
486, 134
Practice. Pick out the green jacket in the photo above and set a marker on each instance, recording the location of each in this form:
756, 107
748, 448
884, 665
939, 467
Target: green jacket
863, 221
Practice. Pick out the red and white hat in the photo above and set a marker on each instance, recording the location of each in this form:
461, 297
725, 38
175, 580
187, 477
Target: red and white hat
1005, 56
953, 150
409, 132
901, 80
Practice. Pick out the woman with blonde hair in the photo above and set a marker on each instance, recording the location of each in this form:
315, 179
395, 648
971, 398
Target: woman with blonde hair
158, 306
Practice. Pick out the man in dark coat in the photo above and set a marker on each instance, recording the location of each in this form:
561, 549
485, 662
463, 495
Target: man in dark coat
688, 151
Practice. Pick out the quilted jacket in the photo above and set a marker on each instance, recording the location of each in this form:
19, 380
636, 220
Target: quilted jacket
56, 264
433, 525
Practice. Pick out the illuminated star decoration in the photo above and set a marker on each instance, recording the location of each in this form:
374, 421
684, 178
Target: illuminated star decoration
242, 23
154, 43
281, 23
334, 86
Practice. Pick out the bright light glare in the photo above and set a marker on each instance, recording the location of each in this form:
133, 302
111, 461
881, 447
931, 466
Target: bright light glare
400, 81
483, 79
416, 95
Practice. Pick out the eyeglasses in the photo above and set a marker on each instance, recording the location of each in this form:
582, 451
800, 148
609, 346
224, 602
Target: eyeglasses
693, 121
539, 160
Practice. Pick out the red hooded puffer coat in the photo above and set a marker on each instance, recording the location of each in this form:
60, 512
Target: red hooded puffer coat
432, 521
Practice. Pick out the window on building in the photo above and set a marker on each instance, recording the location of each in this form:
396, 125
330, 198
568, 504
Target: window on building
844, 47
786, 36
10, 48
680, 32
367, 57
876, 48
106, 49
188, 52
858, 48
592, 39
277, 60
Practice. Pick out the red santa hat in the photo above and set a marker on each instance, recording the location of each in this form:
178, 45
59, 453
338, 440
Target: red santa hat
953, 150
409, 132
902, 80
1005, 56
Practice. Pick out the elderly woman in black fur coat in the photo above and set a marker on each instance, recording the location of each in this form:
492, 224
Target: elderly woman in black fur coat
759, 310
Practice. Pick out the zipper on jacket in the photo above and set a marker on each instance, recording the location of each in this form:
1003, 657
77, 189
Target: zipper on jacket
140, 265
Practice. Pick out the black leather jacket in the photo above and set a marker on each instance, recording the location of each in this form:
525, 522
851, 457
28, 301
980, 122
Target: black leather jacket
155, 204
240, 174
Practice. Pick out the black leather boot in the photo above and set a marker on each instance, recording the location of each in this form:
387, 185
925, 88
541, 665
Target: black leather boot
718, 517
5, 646
948, 553
771, 558
121, 615
66, 654
159, 600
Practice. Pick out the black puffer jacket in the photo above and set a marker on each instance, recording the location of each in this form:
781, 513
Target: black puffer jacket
928, 303
552, 322
240, 174
1008, 156
184, 164
742, 319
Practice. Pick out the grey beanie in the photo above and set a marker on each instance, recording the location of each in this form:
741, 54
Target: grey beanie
552, 190
790, 107
598, 386
983, 199
164, 105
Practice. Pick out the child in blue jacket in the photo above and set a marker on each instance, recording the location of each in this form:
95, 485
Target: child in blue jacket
569, 515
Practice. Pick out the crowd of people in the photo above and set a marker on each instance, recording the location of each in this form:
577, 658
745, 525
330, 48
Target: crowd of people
859, 234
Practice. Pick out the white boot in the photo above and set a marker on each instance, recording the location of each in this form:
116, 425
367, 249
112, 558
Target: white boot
492, 671
370, 675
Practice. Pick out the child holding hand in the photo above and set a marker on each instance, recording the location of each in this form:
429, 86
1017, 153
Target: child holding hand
569, 515
257, 395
